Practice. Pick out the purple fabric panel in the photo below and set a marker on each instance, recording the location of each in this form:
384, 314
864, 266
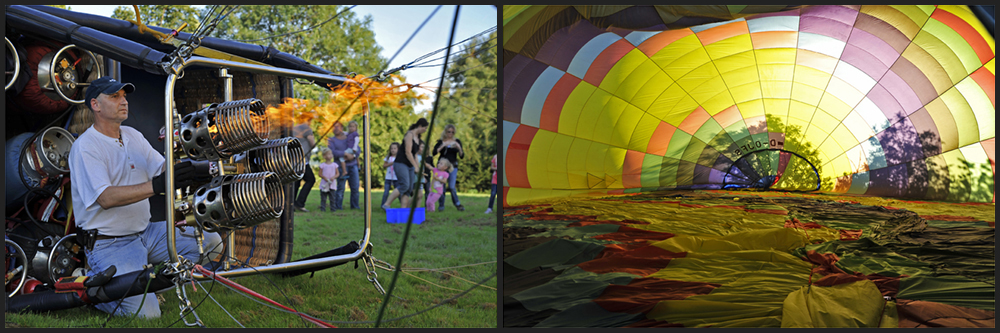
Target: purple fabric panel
888, 182
930, 139
513, 100
900, 143
869, 53
702, 174
512, 69
901, 92
832, 21
563, 45
887, 103
918, 179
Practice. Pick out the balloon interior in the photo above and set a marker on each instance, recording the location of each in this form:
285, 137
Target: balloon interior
749, 166
229, 114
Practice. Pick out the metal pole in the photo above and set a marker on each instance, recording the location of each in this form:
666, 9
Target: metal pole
168, 154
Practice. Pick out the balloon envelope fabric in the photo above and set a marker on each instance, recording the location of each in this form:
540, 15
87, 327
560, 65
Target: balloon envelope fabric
890, 101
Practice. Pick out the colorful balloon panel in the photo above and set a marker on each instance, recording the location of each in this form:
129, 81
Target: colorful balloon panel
894, 101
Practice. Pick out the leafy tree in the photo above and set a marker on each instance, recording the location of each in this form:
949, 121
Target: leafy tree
470, 103
163, 16
328, 36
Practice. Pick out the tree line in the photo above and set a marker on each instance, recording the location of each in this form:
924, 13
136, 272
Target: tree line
336, 39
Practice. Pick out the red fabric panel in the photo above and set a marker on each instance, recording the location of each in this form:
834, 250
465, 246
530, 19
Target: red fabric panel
629, 234
982, 48
642, 294
641, 261
932, 314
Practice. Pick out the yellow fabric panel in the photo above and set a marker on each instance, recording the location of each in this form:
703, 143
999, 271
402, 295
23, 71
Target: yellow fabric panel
558, 162
736, 65
830, 147
613, 164
834, 106
945, 121
534, 16
848, 305
966, 14
597, 154
651, 89
968, 129
673, 105
846, 95
903, 18
666, 56
718, 103
625, 126
588, 120
979, 167
750, 109
730, 46
981, 106
699, 76
641, 77
776, 80
785, 56
569, 117
683, 66
577, 164
604, 129
927, 64
643, 132
956, 167
623, 70
745, 92
837, 167
806, 95
858, 126
949, 48
590, 11
538, 156
776, 106
844, 139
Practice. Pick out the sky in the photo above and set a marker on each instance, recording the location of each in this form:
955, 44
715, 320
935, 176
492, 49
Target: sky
393, 25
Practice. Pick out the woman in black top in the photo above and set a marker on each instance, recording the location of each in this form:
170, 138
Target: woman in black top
450, 148
406, 163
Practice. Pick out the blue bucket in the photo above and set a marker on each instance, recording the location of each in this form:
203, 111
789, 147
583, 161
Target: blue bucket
399, 215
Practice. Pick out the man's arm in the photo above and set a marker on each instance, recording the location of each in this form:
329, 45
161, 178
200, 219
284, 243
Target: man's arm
116, 196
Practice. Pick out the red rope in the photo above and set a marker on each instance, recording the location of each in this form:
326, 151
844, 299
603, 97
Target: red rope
253, 293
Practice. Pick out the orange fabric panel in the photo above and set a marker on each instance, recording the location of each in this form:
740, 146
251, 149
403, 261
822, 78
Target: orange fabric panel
988, 81
660, 139
774, 39
632, 169
549, 119
516, 162
654, 44
724, 31
693, 122
967, 32
606, 60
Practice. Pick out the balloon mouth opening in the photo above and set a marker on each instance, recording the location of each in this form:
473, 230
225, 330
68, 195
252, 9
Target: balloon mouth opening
772, 169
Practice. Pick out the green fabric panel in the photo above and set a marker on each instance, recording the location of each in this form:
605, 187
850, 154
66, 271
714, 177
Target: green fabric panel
700, 313
949, 289
867, 257
555, 252
580, 233
848, 305
572, 287
589, 314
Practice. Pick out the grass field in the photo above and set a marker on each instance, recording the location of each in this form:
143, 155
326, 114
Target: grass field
445, 255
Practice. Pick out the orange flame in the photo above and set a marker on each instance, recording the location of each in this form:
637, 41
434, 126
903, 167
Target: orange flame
347, 100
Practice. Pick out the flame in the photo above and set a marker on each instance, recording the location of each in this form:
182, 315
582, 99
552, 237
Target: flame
347, 100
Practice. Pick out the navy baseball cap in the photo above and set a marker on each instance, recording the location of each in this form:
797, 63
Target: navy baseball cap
106, 85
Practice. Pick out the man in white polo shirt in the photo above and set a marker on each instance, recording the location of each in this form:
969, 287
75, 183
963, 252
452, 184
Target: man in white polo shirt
114, 172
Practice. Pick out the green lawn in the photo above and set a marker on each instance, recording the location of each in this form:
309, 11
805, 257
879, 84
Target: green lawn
460, 248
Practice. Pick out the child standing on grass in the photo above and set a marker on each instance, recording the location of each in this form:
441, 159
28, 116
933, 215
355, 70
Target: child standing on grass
493, 190
440, 177
390, 172
329, 170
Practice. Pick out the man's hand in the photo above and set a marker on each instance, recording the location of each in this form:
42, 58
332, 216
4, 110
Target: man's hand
183, 177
